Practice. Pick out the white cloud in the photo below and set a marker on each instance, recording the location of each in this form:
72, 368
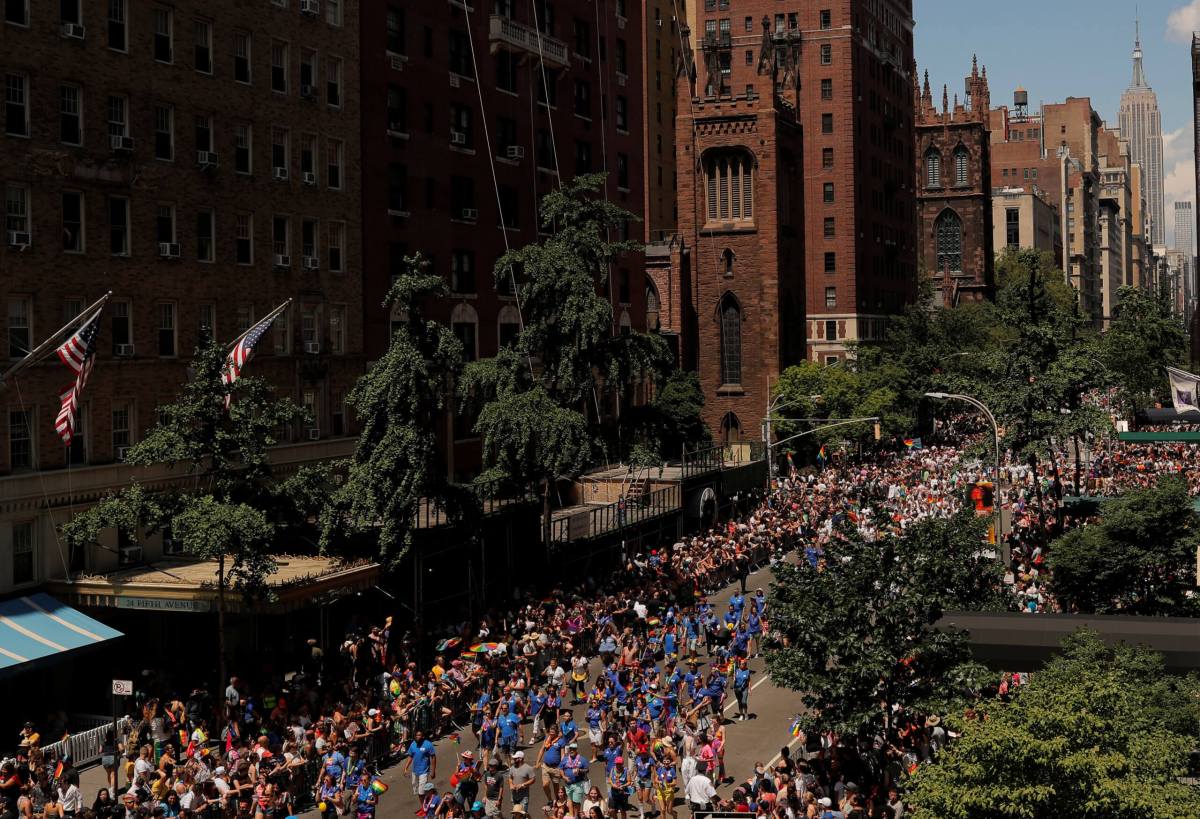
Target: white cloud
1179, 174
1183, 21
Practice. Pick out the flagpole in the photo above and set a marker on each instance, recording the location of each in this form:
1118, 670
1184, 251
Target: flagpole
269, 317
38, 353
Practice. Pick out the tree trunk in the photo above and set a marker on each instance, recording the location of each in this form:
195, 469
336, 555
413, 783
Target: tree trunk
221, 681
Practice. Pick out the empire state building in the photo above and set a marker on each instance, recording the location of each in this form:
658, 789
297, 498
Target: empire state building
1141, 125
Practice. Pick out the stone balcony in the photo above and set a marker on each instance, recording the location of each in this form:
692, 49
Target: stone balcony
504, 32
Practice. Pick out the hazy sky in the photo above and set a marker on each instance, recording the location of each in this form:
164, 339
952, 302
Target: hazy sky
1071, 48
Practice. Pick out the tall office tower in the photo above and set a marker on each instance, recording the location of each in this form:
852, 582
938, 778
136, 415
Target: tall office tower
1141, 125
1185, 228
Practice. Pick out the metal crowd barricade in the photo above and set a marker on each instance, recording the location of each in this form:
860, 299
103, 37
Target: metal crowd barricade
85, 747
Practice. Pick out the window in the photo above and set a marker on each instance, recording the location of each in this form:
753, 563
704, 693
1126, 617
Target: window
462, 271
729, 180
731, 341
118, 226
397, 108
16, 209
335, 241
244, 238
333, 170
116, 25
118, 125
583, 99
121, 437
460, 54
243, 139
727, 262
333, 12
280, 239
622, 172
16, 12
72, 219
507, 69
164, 132
621, 57
333, 81
202, 40
16, 105
244, 317
827, 123
204, 139
933, 169
395, 30
164, 224
948, 239
510, 207
241, 56
544, 151
308, 238
462, 197
827, 193
308, 333
337, 329
831, 297
831, 330
164, 44
583, 156
308, 155
23, 553
830, 227
1012, 227
962, 175
122, 327
279, 151
622, 113
20, 439
826, 19
281, 332
20, 332
70, 115
827, 158
205, 223
508, 324
547, 88
207, 325
397, 187
166, 330
827, 89
830, 262
279, 63
308, 73
461, 133
464, 322
583, 39
826, 54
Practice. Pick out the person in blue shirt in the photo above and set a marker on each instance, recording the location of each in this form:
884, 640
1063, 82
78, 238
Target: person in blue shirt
421, 762
595, 723
741, 689
478, 710
760, 602
738, 602
566, 726
670, 647
612, 751
510, 724
754, 628
537, 705
487, 736
575, 773
335, 765
549, 759
365, 798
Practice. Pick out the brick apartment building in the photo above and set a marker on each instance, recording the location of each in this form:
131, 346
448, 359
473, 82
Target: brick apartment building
661, 56
201, 161
954, 197
471, 113
803, 112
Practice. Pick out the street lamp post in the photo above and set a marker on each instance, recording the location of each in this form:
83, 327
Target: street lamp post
979, 405
773, 406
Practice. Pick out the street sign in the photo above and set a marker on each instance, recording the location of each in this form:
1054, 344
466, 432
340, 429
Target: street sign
122, 688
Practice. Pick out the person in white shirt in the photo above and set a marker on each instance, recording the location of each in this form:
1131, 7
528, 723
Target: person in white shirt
70, 799
699, 791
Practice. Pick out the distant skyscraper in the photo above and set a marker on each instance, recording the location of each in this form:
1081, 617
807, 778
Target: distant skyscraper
1184, 228
1141, 125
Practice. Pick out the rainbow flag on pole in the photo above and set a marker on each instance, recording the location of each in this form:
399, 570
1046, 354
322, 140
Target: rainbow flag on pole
822, 457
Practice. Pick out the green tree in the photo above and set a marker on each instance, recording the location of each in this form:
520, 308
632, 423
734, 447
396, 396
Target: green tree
1100, 731
1139, 559
400, 403
812, 391
232, 508
534, 395
856, 634
1144, 337
671, 421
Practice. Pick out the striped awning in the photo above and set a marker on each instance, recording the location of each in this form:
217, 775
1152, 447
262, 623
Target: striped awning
38, 626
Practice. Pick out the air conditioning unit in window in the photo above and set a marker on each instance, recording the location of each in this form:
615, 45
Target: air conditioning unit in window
283, 260
131, 554
312, 7
121, 143
470, 214
622, 79
309, 177
168, 250
658, 22
620, 22
397, 63
122, 451
514, 152
73, 30
280, 173
307, 92
314, 434
123, 350
310, 263
312, 347
458, 138
455, 81
206, 159
18, 239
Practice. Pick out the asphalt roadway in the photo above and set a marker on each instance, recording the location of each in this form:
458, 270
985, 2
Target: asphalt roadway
758, 739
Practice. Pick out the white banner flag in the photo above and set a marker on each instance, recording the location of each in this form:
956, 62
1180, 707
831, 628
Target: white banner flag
1185, 390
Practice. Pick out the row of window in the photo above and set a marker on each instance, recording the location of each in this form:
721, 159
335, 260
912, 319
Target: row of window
321, 328
71, 130
933, 168
70, 12
202, 60
204, 239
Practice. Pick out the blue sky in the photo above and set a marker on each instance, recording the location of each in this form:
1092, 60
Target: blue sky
1077, 48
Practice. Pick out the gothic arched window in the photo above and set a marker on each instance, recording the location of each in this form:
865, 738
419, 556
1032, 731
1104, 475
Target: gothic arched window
652, 306
933, 169
729, 186
731, 428
948, 238
731, 340
962, 173
727, 262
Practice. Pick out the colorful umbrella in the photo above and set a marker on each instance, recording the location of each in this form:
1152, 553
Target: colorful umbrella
481, 648
448, 643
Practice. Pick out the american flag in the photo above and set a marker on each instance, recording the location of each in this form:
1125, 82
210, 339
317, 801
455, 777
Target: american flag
242, 352
79, 353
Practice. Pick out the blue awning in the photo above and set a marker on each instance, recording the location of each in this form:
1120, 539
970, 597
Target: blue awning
38, 626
